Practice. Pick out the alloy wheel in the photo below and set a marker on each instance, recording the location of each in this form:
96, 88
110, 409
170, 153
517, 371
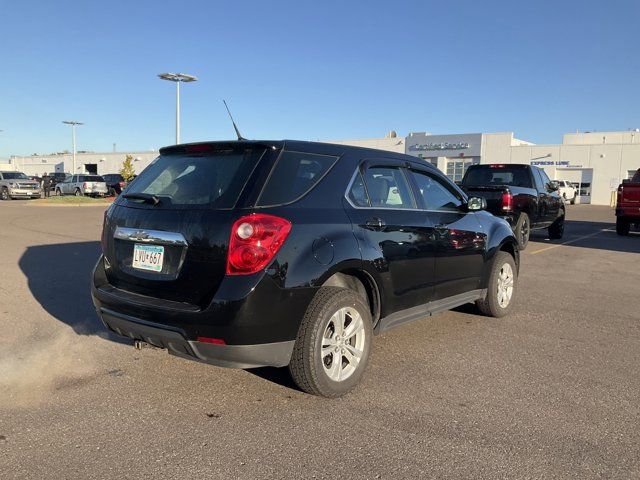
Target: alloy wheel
505, 285
343, 343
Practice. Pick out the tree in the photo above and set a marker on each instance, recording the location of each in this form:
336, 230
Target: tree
127, 171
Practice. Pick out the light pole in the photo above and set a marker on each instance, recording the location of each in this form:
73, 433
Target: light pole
73, 139
177, 78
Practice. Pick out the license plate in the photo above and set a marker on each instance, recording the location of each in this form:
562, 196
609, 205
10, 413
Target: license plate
148, 257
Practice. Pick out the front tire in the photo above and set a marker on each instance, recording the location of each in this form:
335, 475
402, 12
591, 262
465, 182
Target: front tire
623, 226
78, 193
332, 349
523, 231
4, 194
502, 287
556, 230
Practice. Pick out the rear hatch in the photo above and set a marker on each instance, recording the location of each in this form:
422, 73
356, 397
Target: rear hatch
630, 193
93, 183
167, 236
491, 181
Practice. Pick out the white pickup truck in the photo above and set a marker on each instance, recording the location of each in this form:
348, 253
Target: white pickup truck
567, 191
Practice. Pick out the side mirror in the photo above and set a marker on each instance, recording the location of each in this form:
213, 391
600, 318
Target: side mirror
476, 203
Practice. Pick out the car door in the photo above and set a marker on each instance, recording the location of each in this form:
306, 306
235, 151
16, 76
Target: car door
460, 241
395, 237
554, 200
542, 214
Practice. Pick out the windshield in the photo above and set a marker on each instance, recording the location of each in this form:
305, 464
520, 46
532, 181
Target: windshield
489, 175
15, 176
212, 179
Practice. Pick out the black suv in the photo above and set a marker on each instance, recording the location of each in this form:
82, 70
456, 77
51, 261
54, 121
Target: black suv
274, 253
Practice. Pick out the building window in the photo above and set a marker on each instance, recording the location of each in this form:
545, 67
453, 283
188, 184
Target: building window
457, 168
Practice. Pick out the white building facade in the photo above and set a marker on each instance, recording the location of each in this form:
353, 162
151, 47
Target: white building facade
94, 163
595, 162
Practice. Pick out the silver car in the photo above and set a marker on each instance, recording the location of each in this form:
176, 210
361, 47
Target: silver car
79, 185
18, 185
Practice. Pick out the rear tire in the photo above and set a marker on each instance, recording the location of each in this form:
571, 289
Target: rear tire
77, 193
556, 230
573, 200
4, 194
59, 192
336, 328
502, 287
523, 231
623, 226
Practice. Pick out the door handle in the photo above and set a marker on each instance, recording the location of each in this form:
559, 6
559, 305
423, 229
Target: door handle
375, 222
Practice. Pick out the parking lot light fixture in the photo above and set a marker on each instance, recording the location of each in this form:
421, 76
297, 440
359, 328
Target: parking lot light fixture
177, 78
73, 124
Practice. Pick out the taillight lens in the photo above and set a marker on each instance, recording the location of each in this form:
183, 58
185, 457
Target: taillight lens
507, 201
84, 185
122, 184
255, 239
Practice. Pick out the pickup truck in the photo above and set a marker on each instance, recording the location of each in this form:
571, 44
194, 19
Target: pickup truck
628, 205
566, 190
521, 194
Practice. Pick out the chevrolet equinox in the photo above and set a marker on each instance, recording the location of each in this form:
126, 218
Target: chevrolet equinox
273, 253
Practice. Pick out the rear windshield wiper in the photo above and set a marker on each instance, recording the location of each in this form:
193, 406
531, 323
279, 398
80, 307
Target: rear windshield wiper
145, 197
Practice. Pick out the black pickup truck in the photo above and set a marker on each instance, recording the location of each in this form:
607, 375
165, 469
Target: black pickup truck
521, 194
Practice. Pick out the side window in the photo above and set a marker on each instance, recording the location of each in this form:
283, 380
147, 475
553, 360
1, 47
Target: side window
388, 188
357, 193
538, 179
293, 176
434, 194
545, 178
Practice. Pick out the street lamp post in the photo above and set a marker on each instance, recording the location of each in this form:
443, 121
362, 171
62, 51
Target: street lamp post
73, 140
177, 78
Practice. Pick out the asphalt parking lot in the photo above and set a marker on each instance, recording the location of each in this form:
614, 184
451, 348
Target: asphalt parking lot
550, 392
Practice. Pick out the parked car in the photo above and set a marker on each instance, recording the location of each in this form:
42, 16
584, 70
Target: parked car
115, 183
79, 185
628, 205
57, 177
521, 194
18, 185
35, 178
274, 253
566, 190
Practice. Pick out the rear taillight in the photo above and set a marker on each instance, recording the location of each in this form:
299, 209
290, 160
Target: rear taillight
255, 239
122, 184
507, 201
84, 185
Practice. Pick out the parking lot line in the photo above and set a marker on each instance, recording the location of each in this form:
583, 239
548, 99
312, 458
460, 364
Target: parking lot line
550, 247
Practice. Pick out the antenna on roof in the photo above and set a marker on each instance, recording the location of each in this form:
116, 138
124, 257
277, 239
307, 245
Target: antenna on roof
240, 137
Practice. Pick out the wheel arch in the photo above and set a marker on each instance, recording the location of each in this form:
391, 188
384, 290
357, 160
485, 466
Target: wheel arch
362, 283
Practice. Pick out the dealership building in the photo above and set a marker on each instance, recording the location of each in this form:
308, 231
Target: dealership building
86, 162
595, 162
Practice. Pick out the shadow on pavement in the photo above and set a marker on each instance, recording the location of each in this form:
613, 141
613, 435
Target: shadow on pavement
58, 277
606, 238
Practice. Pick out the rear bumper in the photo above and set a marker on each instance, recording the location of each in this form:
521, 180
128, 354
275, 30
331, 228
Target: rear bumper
233, 356
632, 212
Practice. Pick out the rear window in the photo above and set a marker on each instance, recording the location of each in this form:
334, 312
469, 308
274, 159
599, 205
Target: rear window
488, 175
212, 179
91, 178
293, 176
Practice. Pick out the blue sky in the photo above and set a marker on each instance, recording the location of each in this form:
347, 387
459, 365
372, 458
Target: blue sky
313, 69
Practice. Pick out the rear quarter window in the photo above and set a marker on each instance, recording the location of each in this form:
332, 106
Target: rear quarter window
293, 176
